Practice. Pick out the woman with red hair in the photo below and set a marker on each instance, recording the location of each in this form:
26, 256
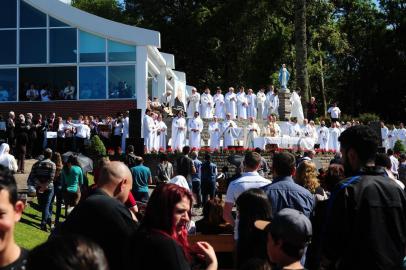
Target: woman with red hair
161, 242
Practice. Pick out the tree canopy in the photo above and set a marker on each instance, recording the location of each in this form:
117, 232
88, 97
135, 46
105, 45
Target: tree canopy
356, 51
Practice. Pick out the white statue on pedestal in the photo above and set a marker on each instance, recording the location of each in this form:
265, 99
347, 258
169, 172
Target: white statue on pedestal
284, 76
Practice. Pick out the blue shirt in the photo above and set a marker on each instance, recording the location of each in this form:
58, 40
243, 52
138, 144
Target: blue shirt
285, 193
198, 164
140, 174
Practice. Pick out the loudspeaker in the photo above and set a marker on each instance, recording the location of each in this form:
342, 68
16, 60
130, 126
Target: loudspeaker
138, 144
135, 123
376, 126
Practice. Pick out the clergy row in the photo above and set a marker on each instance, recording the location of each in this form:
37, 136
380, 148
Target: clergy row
390, 136
240, 105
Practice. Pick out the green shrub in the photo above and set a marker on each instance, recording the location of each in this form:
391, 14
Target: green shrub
97, 148
365, 118
399, 147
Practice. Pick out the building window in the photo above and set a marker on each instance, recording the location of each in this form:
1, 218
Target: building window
56, 23
8, 47
121, 82
33, 48
8, 14
60, 82
121, 52
62, 45
92, 48
92, 82
8, 84
31, 17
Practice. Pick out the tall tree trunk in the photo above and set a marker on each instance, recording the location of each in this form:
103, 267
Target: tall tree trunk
301, 51
322, 89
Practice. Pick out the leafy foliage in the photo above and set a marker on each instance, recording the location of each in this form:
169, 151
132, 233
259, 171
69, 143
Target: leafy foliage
399, 147
97, 148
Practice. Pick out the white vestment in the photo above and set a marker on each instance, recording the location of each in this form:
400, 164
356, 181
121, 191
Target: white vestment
126, 130
218, 100
231, 104
215, 133
148, 128
195, 127
206, 106
162, 131
323, 134
193, 104
333, 143
261, 98
156, 136
275, 105
401, 135
297, 109
166, 100
268, 104
252, 106
295, 130
272, 130
307, 141
253, 131
385, 140
229, 133
178, 133
242, 104
392, 137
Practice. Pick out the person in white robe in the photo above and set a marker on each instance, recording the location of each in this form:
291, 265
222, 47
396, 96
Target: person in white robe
297, 109
126, 130
193, 103
323, 134
274, 107
272, 129
252, 104
294, 129
334, 132
229, 132
178, 132
219, 109
307, 141
401, 134
207, 104
195, 128
384, 135
148, 131
269, 102
231, 103
242, 104
166, 99
161, 132
215, 133
392, 136
253, 131
261, 98
313, 131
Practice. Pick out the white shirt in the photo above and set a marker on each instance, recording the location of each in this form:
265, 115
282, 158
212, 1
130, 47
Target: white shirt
247, 181
334, 112
395, 164
82, 131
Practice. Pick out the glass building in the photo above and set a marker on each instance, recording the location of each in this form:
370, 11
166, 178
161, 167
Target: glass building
51, 52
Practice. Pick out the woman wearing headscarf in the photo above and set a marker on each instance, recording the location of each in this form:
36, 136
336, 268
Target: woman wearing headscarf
6, 159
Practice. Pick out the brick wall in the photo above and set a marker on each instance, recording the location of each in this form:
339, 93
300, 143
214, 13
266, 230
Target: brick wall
73, 108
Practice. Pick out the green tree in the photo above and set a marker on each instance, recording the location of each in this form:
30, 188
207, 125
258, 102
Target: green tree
109, 9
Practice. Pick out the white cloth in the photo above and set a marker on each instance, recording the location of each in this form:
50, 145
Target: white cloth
162, 132
179, 180
229, 132
252, 106
395, 164
333, 143
401, 135
242, 104
219, 111
206, 106
195, 127
215, 134
6, 159
156, 136
45, 95
272, 130
392, 137
231, 104
295, 130
82, 131
385, 139
268, 104
297, 109
68, 92
165, 99
261, 98
126, 132
334, 112
323, 134
275, 105
253, 131
193, 104
178, 133
32, 94
148, 132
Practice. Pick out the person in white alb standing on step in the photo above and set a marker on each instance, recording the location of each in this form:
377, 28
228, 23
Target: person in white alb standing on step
195, 127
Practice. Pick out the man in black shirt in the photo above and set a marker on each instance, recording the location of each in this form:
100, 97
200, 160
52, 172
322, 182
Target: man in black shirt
366, 216
103, 217
185, 167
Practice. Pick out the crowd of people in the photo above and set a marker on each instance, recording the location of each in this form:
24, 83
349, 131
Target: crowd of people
283, 215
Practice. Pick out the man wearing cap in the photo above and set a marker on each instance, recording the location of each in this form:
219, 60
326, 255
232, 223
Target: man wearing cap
284, 192
365, 227
289, 234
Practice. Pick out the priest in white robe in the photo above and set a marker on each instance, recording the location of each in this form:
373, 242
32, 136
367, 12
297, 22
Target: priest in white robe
274, 108
333, 143
195, 128
126, 130
384, 135
261, 98
297, 109
193, 102
253, 131
252, 104
323, 136
166, 99
219, 109
401, 133
272, 129
162, 132
178, 132
229, 132
207, 104
155, 134
242, 104
294, 129
269, 102
392, 136
215, 133
231, 103
307, 141
148, 131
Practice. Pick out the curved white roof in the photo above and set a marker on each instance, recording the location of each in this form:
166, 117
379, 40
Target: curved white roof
88, 22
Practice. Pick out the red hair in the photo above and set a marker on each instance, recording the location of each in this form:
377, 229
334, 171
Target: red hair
160, 210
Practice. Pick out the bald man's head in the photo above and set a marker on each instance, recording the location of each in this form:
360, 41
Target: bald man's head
116, 179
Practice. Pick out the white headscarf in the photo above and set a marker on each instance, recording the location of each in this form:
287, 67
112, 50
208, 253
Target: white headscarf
4, 149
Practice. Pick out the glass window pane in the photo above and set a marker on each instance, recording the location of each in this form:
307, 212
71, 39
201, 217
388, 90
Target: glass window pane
8, 84
8, 14
92, 48
56, 23
122, 82
121, 52
31, 17
92, 82
62, 45
33, 48
8, 47
60, 82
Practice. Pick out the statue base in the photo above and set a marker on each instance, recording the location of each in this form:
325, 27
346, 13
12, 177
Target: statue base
285, 107
284, 90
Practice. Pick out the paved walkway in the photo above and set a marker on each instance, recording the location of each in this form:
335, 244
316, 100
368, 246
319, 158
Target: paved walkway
21, 178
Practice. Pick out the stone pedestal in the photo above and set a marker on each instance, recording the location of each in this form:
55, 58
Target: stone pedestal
285, 107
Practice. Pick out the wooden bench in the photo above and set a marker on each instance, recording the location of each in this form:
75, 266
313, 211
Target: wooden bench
219, 242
